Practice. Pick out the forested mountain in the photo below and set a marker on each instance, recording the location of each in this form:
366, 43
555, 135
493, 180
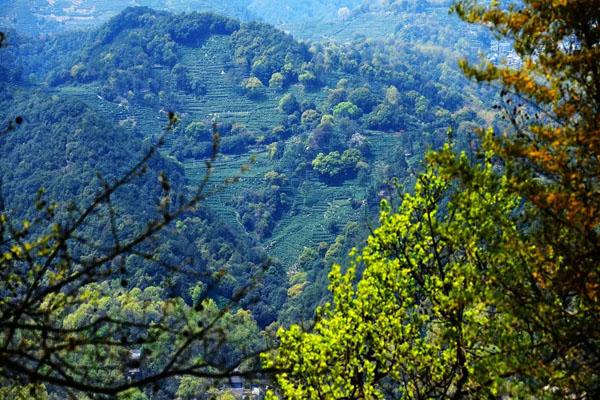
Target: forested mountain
328, 125
43, 16
342, 20
189, 193
298, 119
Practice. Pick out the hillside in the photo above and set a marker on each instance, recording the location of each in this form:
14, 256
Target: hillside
283, 199
423, 22
43, 16
324, 127
39, 16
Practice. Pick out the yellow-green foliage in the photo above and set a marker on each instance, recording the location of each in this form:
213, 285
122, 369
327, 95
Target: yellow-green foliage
28, 392
275, 178
297, 278
253, 87
334, 251
421, 316
190, 387
132, 394
334, 163
227, 395
296, 290
276, 81
346, 109
297, 284
308, 79
485, 283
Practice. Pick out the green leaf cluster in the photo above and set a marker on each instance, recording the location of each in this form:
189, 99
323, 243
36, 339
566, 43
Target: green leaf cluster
427, 315
335, 164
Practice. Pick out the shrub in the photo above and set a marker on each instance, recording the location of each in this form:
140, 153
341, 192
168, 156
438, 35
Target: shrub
336, 164
289, 104
253, 87
384, 117
346, 109
308, 80
335, 97
310, 117
276, 81
363, 98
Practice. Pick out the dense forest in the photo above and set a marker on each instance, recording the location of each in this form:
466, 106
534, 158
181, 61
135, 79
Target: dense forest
332, 200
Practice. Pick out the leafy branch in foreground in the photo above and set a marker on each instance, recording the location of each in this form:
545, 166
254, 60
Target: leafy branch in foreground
485, 283
418, 322
67, 324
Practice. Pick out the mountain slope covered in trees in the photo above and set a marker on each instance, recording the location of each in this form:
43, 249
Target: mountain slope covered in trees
180, 193
340, 20
325, 127
311, 136
40, 16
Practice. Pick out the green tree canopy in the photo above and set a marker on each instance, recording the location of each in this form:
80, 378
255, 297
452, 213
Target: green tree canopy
289, 104
336, 164
484, 283
419, 322
346, 109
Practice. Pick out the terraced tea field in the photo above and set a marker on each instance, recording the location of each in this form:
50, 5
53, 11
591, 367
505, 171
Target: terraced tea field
211, 64
36, 16
317, 218
376, 26
318, 212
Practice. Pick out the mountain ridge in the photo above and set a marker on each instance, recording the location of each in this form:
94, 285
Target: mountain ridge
327, 125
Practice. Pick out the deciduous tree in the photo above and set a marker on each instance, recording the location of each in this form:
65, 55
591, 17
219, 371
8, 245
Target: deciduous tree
485, 282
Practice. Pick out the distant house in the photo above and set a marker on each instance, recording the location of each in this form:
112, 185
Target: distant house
134, 363
236, 384
242, 389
